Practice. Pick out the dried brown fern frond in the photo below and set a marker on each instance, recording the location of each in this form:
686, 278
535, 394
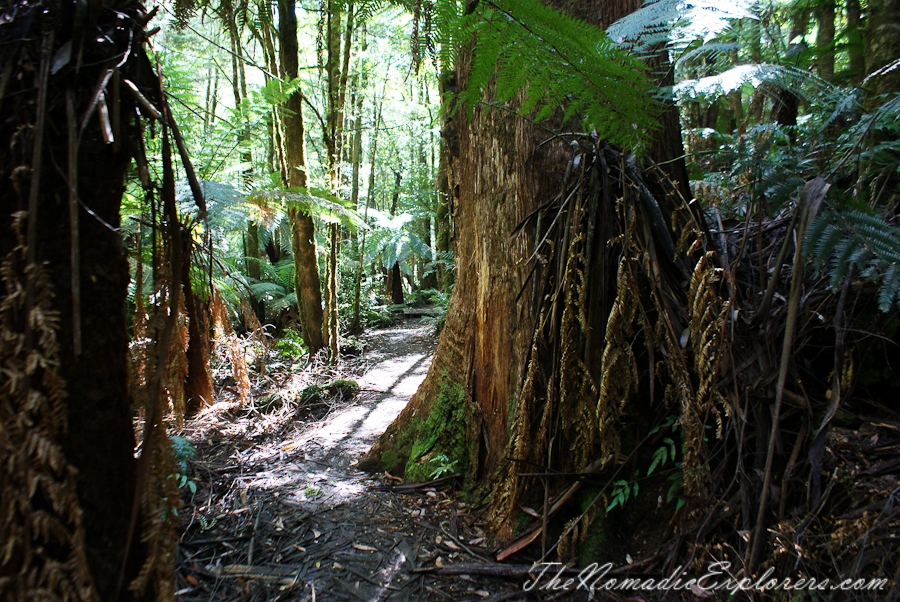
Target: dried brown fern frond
160, 505
711, 195
708, 313
177, 368
41, 531
619, 372
233, 349
577, 391
253, 323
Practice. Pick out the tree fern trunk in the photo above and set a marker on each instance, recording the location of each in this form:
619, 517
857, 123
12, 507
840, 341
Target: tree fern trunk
67, 442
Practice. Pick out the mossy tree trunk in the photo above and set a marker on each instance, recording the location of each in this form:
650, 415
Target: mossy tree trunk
337, 67
856, 67
883, 46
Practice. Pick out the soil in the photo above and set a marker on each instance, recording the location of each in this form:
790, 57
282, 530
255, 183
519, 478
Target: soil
275, 510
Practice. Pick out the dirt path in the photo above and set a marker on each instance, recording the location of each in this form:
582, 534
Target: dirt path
279, 512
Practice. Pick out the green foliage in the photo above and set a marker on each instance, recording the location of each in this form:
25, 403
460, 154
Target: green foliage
317, 202
840, 237
339, 388
393, 241
440, 301
443, 433
342, 387
557, 63
310, 394
291, 345
276, 286
183, 451
662, 454
443, 465
623, 490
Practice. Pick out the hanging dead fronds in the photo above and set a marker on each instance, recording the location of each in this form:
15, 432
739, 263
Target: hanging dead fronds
707, 332
233, 349
619, 370
610, 267
41, 529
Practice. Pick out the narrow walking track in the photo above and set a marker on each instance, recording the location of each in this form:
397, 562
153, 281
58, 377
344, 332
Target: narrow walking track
275, 510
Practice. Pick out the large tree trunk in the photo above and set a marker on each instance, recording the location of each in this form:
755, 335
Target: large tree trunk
501, 169
856, 67
883, 46
825, 39
66, 435
303, 241
443, 243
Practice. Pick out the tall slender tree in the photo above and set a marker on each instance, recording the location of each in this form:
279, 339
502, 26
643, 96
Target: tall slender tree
337, 67
303, 240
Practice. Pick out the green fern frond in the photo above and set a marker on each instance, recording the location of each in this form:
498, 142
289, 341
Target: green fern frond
319, 203
227, 208
556, 62
266, 289
841, 237
646, 27
711, 52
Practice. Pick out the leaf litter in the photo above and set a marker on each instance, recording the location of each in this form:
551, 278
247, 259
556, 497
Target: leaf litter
275, 510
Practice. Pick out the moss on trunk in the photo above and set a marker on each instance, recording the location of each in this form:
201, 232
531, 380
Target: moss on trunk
439, 444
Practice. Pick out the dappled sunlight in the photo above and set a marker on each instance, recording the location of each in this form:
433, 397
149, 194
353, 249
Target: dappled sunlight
311, 465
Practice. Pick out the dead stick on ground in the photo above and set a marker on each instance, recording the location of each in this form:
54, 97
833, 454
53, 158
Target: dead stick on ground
253, 537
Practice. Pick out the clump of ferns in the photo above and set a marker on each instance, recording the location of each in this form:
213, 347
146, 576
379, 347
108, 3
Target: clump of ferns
841, 238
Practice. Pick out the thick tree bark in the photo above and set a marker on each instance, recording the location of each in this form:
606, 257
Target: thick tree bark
443, 243
303, 240
855, 46
883, 46
825, 39
501, 169
198, 386
80, 444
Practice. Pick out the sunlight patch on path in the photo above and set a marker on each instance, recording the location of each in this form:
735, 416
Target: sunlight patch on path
313, 467
400, 375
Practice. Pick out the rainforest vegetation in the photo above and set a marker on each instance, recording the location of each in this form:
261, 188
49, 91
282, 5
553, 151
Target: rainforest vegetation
658, 242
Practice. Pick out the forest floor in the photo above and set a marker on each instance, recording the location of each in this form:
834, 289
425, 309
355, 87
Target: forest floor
275, 510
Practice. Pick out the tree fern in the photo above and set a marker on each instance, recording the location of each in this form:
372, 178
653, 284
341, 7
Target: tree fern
557, 62
662, 22
393, 242
841, 237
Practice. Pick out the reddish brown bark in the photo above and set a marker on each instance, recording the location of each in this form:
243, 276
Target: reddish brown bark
303, 241
501, 168
198, 386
